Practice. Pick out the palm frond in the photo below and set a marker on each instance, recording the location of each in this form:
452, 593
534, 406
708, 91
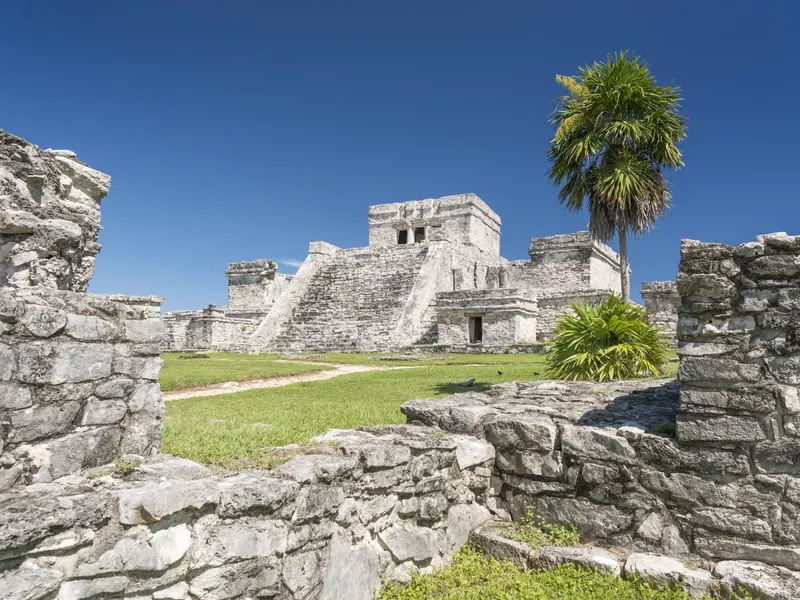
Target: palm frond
616, 131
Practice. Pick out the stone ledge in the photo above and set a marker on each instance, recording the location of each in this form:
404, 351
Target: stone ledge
731, 576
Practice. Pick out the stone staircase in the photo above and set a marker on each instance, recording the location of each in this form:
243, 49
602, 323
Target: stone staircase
354, 301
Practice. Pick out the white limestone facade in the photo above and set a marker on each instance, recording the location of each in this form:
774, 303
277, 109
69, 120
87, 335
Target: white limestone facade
432, 274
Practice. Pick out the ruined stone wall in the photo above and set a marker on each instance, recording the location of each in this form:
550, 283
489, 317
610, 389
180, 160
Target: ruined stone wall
600, 456
329, 527
709, 469
253, 289
49, 216
739, 334
253, 286
739, 341
150, 305
566, 262
176, 323
78, 383
662, 301
473, 269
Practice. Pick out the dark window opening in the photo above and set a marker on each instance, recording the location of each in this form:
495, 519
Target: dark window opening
475, 330
402, 236
419, 235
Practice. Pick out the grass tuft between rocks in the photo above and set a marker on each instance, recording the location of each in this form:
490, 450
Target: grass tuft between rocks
473, 576
531, 529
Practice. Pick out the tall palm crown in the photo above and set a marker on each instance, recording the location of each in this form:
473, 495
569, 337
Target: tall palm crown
616, 132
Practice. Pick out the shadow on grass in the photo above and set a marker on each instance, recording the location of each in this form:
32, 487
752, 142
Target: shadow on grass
457, 388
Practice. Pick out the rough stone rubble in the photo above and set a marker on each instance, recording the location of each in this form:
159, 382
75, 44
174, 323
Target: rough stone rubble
49, 216
320, 526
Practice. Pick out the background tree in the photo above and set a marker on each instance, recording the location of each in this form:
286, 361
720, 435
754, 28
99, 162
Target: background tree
616, 131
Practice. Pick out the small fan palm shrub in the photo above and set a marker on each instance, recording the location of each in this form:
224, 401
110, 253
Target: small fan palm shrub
610, 340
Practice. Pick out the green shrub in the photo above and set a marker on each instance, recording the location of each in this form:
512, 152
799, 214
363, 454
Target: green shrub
535, 531
610, 340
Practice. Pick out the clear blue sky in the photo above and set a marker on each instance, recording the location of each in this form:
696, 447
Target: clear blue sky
241, 130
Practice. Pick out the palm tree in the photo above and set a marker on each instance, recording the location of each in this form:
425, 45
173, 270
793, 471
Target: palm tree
616, 131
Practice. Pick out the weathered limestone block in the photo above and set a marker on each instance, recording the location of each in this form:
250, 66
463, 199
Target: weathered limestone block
218, 542
663, 570
49, 216
726, 428
30, 582
589, 558
536, 432
705, 285
757, 578
66, 362
594, 521
595, 443
62, 407
141, 550
353, 570
698, 369
152, 503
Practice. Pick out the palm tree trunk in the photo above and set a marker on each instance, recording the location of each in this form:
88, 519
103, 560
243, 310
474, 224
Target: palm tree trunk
623, 264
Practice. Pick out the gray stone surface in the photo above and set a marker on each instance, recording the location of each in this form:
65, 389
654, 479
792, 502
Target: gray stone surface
587, 557
315, 528
49, 222
758, 578
661, 301
62, 406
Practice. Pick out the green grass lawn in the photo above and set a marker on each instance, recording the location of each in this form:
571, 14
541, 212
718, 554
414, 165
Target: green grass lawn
429, 359
472, 576
179, 373
236, 430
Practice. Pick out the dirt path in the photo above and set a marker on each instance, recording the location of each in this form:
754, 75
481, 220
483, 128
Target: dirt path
231, 387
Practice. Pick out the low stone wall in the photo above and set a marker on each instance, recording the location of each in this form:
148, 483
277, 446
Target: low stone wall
78, 383
590, 454
150, 305
387, 504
